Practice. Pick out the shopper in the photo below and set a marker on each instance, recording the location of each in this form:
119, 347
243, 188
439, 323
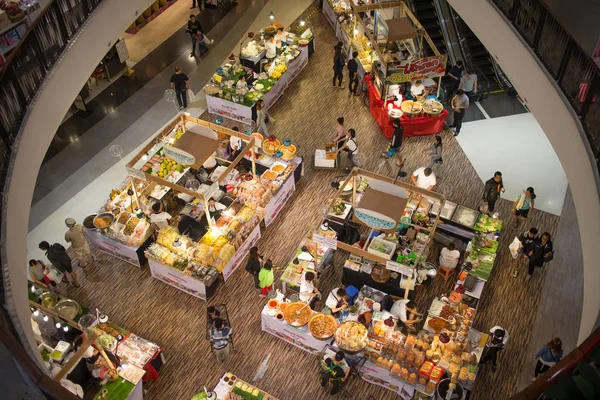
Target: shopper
262, 117
60, 259
308, 292
456, 73
526, 239
449, 256
406, 311
460, 102
335, 371
271, 48
353, 73
340, 136
351, 148
468, 84
203, 42
548, 356
220, 336
435, 152
79, 244
497, 342
193, 27
523, 206
424, 178
159, 217
266, 278
491, 193
212, 314
338, 65
396, 143
540, 252
41, 274
180, 83
254, 265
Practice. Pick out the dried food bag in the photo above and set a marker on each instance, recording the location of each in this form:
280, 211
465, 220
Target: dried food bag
514, 248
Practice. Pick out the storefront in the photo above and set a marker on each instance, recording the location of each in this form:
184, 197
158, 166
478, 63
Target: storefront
263, 78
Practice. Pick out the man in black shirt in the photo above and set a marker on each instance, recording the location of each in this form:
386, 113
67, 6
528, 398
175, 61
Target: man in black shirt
58, 256
180, 84
254, 265
456, 74
353, 73
193, 27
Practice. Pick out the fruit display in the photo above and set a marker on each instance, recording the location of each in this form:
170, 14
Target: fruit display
487, 224
277, 71
351, 336
338, 207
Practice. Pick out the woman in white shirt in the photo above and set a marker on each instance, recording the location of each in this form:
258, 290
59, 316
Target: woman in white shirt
280, 38
449, 256
241, 83
417, 90
271, 48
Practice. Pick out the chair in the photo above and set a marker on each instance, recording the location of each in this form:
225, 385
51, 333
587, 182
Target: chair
445, 273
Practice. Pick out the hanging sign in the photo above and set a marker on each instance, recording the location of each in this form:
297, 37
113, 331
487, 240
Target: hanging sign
136, 173
421, 68
400, 268
325, 241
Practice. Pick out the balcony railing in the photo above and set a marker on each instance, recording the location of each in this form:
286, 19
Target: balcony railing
29, 63
572, 68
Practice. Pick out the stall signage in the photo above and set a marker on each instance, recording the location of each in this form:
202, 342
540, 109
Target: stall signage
296, 66
329, 13
229, 109
400, 268
241, 254
177, 279
136, 173
299, 337
421, 68
277, 203
382, 377
113, 248
325, 241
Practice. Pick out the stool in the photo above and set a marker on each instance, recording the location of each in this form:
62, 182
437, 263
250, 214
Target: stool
445, 273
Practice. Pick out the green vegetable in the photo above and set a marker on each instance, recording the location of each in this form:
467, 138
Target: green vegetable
45, 355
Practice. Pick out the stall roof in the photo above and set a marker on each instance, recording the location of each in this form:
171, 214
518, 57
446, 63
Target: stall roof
400, 29
381, 205
198, 146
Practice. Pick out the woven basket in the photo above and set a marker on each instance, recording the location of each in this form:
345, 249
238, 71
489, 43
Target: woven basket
16, 18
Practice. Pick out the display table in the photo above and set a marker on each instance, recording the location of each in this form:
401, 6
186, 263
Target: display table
359, 279
181, 281
230, 383
413, 126
132, 255
246, 114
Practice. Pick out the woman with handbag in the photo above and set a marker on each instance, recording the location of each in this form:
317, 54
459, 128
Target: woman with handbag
262, 118
539, 253
523, 206
548, 356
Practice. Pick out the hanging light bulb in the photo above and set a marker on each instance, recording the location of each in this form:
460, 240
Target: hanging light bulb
36, 313
271, 15
302, 22
355, 31
66, 328
58, 325
45, 318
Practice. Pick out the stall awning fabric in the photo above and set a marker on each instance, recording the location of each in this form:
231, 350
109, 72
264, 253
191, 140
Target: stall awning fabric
400, 29
380, 210
198, 146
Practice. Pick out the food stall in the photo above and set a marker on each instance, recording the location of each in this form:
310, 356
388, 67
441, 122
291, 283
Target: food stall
184, 166
234, 387
265, 79
390, 40
57, 321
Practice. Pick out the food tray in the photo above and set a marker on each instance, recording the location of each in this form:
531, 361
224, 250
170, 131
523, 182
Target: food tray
297, 320
351, 336
322, 326
382, 248
465, 216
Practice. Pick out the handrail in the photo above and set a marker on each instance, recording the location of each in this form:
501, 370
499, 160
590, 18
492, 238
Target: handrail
563, 367
574, 71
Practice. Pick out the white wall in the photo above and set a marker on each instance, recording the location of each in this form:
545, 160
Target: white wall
42, 119
556, 120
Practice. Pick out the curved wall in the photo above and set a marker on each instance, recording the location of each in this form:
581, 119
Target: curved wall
562, 128
103, 28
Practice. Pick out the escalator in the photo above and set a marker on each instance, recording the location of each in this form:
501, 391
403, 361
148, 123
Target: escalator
427, 15
479, 58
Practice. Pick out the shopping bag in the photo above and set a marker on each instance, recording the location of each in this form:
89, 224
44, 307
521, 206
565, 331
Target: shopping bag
514, 247
54, 274
190, 95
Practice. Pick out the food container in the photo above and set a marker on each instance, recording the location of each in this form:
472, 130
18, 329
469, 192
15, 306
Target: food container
88, 222
465, 216
322, 326
294, 319
411, 107
382, 248
88, 321
48, 299
104, 220
433, 107
351, 337
272, 304
67, 308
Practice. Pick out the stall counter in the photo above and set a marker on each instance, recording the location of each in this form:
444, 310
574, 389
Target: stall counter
415, 126
132, 255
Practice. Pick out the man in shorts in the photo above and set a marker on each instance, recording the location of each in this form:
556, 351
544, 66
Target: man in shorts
79, 244
58, 256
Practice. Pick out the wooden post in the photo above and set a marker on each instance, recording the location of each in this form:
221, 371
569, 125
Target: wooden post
206, 212
353, 190
135, 194
76, 357
253, 161
407, 288
439, 87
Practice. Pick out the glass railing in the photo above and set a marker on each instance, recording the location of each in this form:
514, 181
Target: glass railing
29, 63
572, 68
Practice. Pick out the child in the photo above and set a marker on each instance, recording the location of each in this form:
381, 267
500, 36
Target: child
266, 278
203, 42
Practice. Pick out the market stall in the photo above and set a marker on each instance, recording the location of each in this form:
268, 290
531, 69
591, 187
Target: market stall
234, 387
390, 44
238, 84
186, 167
59, 321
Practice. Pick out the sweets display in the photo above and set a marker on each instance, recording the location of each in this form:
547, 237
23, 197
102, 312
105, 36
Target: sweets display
322, 326
351, 336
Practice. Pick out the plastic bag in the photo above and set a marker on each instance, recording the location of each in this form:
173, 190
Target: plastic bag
514, 247
54, 274
190, 95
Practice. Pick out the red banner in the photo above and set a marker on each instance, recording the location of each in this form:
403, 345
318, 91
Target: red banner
422, 68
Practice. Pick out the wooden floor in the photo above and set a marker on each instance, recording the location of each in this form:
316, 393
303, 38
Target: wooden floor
174, 320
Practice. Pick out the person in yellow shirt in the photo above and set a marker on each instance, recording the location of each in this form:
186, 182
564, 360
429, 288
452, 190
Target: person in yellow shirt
79, 244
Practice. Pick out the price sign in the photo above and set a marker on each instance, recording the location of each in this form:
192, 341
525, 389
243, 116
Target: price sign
400, 268
325, 241
136, 173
